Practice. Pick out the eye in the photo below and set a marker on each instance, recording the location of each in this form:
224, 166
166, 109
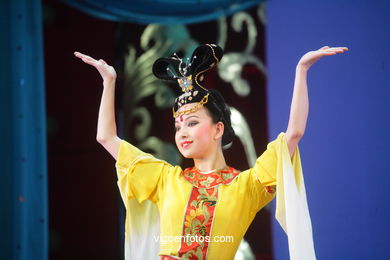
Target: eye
192, 123
177, 128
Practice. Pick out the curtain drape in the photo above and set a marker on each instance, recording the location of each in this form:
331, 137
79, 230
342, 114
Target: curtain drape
161, 11
23, 163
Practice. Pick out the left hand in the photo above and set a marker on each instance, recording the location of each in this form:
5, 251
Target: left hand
313, 56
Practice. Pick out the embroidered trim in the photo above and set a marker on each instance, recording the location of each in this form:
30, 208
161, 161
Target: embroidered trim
200, 209
199, 218
185, 212
197, 179
212, 225
270, 189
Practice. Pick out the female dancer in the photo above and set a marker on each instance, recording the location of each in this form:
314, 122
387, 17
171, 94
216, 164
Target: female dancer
205, 210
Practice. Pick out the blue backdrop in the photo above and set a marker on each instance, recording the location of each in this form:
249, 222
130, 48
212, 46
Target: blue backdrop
347, 144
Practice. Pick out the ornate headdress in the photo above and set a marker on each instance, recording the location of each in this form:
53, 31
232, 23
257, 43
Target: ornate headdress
189, 75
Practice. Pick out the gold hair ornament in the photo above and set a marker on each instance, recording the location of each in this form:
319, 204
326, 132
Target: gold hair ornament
193, 109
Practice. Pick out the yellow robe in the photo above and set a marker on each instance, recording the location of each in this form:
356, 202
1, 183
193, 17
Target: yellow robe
141, 178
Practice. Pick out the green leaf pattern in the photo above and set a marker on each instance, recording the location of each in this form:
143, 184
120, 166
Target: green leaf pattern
201, 207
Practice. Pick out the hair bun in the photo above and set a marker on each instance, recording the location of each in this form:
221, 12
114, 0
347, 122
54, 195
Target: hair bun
221, 112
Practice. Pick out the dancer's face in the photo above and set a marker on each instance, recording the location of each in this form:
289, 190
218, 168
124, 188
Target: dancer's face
196, 135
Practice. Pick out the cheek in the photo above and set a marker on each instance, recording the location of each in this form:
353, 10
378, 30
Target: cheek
177, 139
204, 132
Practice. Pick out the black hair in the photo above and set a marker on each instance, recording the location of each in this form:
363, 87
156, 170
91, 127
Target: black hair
220, 112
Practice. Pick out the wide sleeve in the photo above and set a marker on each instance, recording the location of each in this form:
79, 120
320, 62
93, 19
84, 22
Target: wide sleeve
140, 175
265, 167
276, 167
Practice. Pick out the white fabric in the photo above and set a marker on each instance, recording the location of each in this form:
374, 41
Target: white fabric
292, 211
143, 227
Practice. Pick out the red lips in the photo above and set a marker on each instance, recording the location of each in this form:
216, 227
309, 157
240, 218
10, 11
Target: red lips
185, 144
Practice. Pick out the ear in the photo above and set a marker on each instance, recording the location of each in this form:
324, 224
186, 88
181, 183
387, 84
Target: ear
220, 128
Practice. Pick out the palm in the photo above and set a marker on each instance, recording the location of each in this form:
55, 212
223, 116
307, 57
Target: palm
313, 56
106, 71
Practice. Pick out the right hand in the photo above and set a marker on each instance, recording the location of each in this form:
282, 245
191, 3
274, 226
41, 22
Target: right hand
107, 72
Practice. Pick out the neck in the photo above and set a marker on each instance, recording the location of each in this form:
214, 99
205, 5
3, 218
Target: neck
214, 162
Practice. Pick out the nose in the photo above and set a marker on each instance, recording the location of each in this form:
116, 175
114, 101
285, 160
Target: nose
183, 132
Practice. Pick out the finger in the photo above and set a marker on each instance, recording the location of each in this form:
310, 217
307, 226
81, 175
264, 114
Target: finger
84, 57
103, 61
79, 54
344, 48
324, 48
338, 49
326, 53
330, 53
89, 61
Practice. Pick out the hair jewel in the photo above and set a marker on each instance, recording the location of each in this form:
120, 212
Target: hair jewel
184, 80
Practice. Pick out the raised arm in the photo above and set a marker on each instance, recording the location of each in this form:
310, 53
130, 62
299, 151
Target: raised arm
106, 129
300, 101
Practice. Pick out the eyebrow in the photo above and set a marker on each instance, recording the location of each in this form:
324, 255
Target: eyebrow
176, 121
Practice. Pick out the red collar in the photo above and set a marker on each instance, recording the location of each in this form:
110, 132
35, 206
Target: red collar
210, 180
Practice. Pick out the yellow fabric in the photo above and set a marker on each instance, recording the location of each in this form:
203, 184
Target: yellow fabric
144, 177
